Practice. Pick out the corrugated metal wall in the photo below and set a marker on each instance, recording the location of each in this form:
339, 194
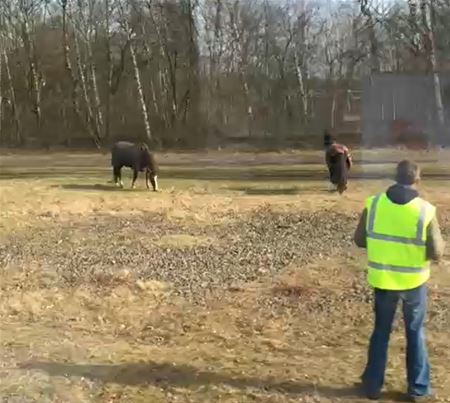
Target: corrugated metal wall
391, 98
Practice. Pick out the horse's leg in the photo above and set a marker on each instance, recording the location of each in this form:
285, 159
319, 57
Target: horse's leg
135, 175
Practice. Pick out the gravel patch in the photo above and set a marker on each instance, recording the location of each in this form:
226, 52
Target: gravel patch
248, 247
240, 249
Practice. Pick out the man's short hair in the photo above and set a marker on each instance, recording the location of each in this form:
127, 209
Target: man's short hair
407, 173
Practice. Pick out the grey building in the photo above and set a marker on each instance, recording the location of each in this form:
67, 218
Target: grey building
396, 107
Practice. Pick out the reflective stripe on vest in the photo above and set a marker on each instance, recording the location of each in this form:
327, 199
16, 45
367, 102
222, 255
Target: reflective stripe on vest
396, 269
392, 238
396, 242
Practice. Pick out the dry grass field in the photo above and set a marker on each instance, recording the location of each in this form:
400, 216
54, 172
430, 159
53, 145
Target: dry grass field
238, 282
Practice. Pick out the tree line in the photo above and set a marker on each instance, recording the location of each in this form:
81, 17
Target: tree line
193, 73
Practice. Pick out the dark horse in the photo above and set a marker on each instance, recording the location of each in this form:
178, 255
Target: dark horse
137, 157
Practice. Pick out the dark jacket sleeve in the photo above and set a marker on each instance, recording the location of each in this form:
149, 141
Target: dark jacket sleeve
360, 232
435, 243
328, 157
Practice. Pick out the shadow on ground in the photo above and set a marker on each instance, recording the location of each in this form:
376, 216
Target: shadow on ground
169, 375
247, 190
97, 186
267, 192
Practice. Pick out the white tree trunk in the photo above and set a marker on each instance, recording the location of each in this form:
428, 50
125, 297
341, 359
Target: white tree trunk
155, 101
152, 84
137, 77
426, 8
169, 74
301, 86
12, 97
85, 26
87, 101
109, 83
35, 81
73, 78
333, 111
233, 10
97, 104
1, 97
165, 95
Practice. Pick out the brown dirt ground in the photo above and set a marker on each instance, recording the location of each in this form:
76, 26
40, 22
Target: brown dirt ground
90, 277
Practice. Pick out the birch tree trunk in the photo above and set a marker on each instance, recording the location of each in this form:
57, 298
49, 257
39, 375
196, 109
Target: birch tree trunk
97, 104
87, 101
301, 86
169, 111
109, 67
87, 26
1, 96
69, 69
169, 73
137, 77
12, 96
155, 101
216, 60
233, 11
333, 111
75, 85
35, 86
426, 9
152, 84
194, 92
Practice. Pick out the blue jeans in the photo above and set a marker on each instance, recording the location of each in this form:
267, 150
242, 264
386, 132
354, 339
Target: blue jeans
414, 311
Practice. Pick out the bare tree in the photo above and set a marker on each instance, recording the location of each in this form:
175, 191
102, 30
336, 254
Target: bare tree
148, 54
88, 23
241, 45
74, 82
1, 89
27, 9
109, 68
84, 89
7, 39
304, 49
137, 75
427, 8
212, 16
197, 70
371, 23
12, 97
86, 68
168, 74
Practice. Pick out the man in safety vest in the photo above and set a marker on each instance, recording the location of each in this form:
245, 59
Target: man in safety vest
401, 233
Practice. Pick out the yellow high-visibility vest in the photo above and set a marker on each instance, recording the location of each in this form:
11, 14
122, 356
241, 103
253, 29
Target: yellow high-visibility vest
396, 242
